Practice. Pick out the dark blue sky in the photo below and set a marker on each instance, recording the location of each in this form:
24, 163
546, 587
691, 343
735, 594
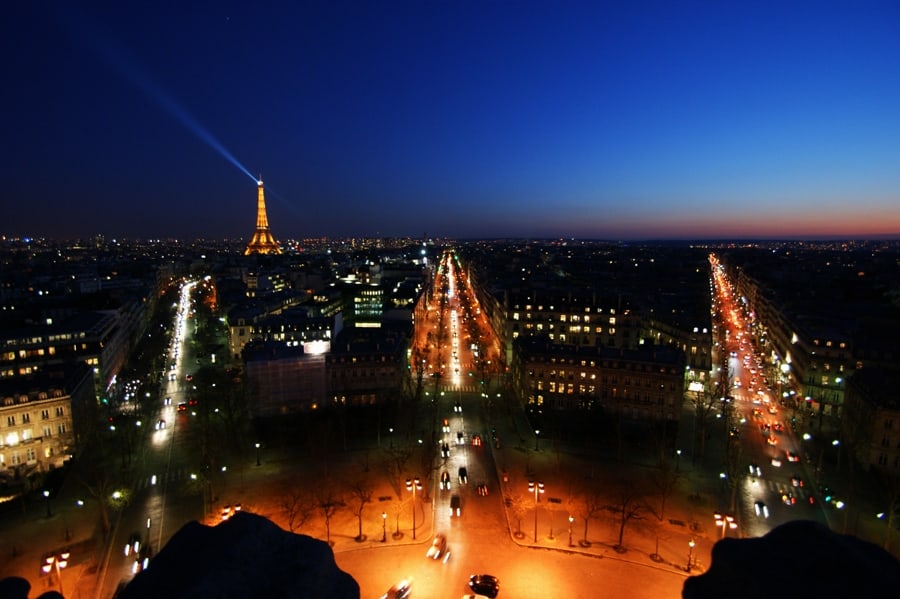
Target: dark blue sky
623, 120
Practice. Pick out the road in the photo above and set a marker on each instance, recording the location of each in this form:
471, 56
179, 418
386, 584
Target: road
156, 510
772, 488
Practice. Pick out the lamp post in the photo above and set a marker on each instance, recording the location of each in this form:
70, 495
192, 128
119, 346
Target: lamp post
383, 527
414, 485
47, 497
257, 454
57, 561
537, 488
724, 521
677, 459
391, 436
536, 435
690, 555
571, 520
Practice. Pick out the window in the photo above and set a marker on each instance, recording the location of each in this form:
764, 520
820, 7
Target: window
30, 455
10, 421
46, 431
26, 418
61, 429
45, 414
60, 411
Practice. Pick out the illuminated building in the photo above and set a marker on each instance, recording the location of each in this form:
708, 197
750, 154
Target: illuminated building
262, 242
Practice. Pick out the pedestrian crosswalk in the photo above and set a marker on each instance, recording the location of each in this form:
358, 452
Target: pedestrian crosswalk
460, 388
161, 480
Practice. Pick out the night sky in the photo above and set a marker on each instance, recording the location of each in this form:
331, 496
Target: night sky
609, 120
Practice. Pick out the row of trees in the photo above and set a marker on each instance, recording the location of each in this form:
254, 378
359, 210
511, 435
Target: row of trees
624, 501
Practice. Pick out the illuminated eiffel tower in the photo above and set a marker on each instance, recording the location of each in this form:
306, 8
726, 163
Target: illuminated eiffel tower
262, 242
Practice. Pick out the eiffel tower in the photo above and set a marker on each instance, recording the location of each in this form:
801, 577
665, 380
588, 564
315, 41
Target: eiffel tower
262, 242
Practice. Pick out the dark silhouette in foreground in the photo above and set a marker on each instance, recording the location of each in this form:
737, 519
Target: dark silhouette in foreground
245, 556
800, 558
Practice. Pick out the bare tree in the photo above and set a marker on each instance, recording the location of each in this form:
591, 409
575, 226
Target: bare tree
361, 494
329, 501
628, 504
588, 504
665, 481
296, 504
516, 505
394, 464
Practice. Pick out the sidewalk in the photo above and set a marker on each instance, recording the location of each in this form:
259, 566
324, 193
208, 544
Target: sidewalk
71, 527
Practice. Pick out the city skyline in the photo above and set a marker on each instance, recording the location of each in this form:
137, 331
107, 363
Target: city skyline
613, 121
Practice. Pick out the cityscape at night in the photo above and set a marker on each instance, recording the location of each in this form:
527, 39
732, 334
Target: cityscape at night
422, 300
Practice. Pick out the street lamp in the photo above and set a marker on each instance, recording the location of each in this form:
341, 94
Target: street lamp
257, 454
57, 561
677, 459
47, 497
537, 488
536, 435
725, 522
414, 485
571, 520
690, 555
383, 527
391, 436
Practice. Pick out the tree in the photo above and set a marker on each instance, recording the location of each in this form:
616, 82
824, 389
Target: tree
361, 492
296, 503
628, 504
516, 505
587, 504
328, 500
665, 481
394, 464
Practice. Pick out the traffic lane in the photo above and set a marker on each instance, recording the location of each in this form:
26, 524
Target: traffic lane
522, 571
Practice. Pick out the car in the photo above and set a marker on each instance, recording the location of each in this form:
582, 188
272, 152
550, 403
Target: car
788, 498
160, 424
445, 480
755, 470
482, 489
438, 547
446, 426
463, 475
791, 456
401, 590
182, 407
457, 407
167, 401
797, 481
459, 438
776, 462
484, 584
778, 427
761, 509
476, 440
445, 451
771, 440
455, 506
